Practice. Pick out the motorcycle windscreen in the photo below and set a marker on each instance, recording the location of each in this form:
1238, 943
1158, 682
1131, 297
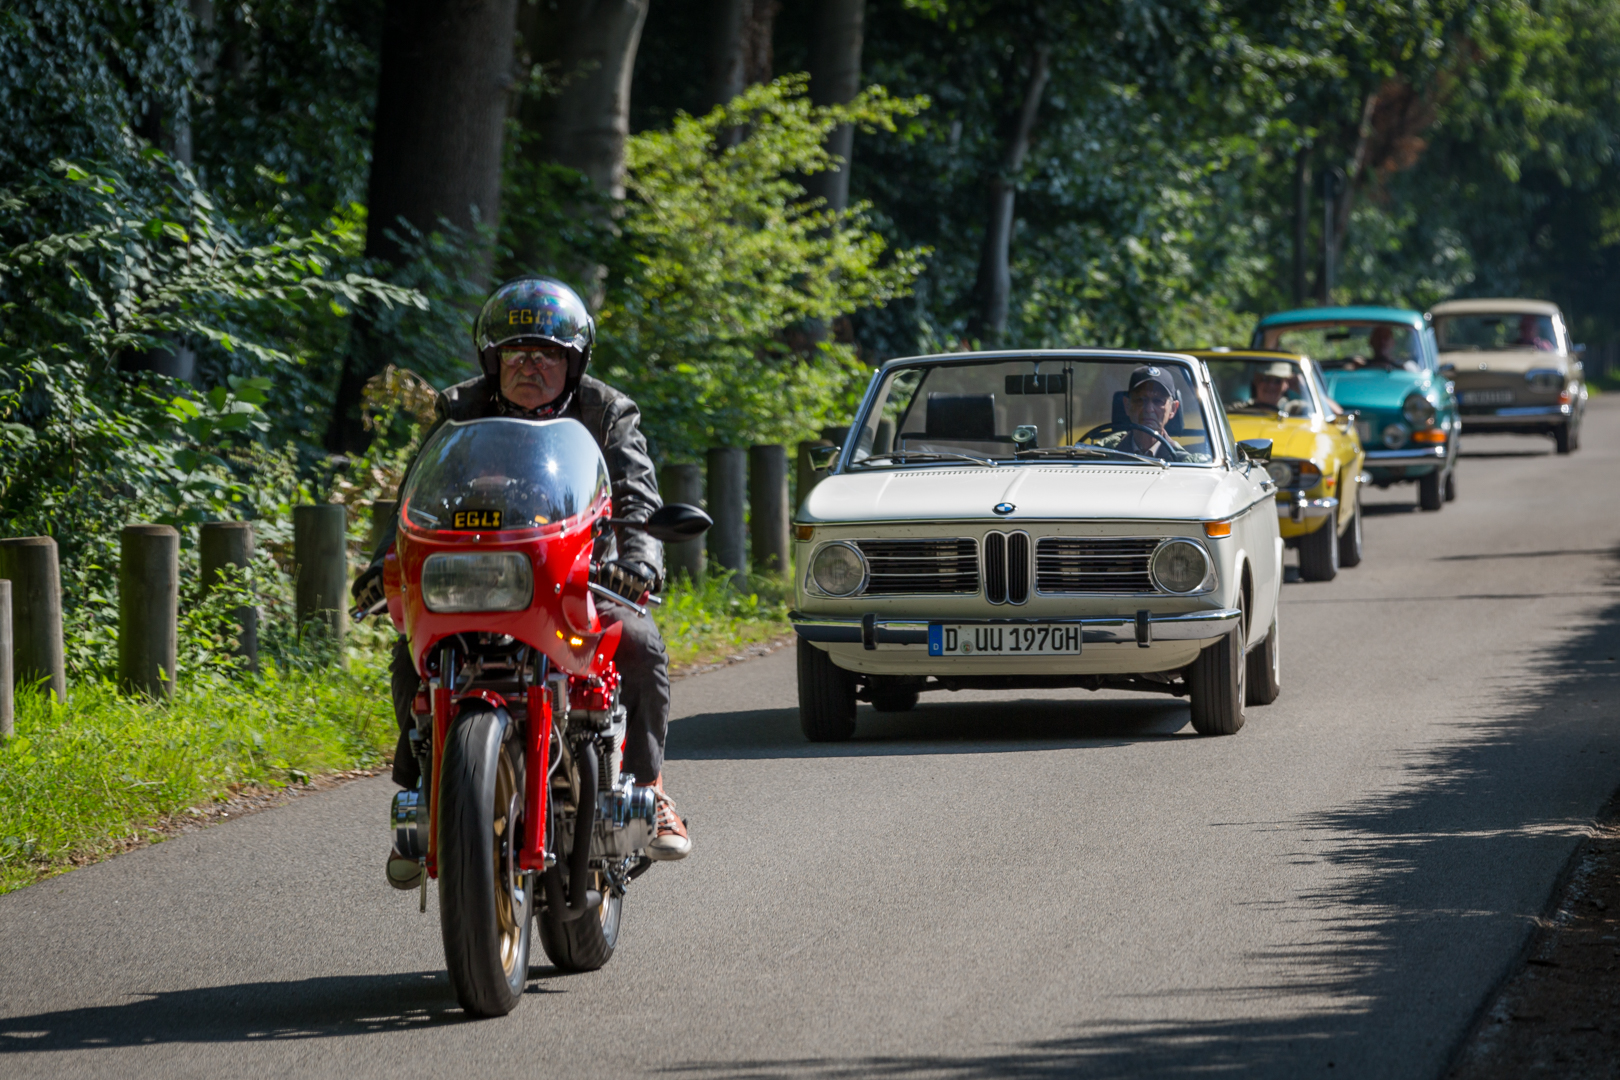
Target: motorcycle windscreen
498, 474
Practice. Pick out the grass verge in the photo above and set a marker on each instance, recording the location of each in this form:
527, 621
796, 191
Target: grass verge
79, 780
706, 621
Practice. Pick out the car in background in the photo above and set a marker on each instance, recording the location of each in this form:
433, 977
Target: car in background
1010, 520
1383, 365
1514, 368
1316, 456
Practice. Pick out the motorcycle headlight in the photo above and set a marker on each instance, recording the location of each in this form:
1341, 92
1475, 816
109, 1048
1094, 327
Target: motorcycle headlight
1545, 380
485, 581
838, 570
1418, 411
1394, 436
1179, 566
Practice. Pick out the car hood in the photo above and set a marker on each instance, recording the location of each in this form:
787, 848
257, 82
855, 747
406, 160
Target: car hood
1375, 388
1094, 491
1291, 437
1506, 361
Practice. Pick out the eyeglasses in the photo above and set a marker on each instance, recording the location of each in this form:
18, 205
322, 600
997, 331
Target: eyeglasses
516, 358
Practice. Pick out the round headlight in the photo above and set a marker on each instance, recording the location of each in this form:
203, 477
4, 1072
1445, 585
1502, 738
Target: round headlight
838, 570
1309, 475
1179, 566
1282, 472
1418, 411
1394, 436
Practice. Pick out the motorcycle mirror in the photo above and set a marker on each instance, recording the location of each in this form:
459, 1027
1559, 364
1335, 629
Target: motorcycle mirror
672, 523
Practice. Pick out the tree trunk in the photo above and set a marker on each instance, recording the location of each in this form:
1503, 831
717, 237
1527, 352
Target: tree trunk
445, 74
1302, 211
835, 78
1353, 173
728, 72
994, 284
588, 48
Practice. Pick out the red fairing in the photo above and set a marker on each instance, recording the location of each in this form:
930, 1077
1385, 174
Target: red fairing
391, 583
561, 619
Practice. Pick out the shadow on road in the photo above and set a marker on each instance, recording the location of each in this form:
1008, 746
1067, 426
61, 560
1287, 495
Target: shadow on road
1417, 862
246, 1012
937, 726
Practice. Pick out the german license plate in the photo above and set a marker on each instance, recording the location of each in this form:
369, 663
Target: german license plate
1363, 431
1487, 397
1034, 639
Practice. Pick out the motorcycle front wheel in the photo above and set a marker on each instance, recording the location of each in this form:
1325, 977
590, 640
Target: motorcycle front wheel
485, 901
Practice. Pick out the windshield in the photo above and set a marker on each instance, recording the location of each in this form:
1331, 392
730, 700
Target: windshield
487, 475
1486, 332
1001, 410
1269, 387
1350, 346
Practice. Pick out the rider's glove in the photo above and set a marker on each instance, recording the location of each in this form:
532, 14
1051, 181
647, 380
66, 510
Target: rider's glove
631, 580
368, 588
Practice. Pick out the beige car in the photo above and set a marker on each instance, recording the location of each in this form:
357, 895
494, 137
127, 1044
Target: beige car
1514, 368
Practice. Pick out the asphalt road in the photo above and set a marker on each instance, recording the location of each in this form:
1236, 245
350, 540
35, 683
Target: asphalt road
1012, 885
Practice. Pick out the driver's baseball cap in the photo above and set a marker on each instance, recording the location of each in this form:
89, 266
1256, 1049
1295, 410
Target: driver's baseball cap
1152, 373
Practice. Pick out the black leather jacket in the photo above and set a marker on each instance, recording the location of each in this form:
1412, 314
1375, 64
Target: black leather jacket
614, 422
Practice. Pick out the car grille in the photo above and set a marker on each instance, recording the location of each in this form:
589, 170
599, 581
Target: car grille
921, 566
1006, 567
1085, 564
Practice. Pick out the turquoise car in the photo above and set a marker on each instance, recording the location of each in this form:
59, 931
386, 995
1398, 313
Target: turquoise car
1383, 364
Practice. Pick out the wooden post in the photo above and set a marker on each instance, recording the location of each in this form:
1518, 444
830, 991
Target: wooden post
30, 564
321, 583
230, 543
7, 704
728, 495
806, 477
683, 484
383, 512
768, 508
148, 609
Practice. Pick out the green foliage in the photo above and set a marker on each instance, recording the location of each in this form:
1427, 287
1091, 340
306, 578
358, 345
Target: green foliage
722, 259
709, 620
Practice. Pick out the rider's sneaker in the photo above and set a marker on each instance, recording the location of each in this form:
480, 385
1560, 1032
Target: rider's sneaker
403, 873
671, 841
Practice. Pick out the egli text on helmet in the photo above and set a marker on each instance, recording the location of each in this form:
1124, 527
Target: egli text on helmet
535, 311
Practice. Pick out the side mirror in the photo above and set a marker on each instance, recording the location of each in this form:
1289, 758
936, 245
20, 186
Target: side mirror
1448, 369
821, 457
1255, 450
672, 523
1577, 349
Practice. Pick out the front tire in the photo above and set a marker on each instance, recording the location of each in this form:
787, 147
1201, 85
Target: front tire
485, 903
1264, 673
1562, 439
1451, 486
1430, 497
1319, 553
1215, 684
1350, 544
826, 696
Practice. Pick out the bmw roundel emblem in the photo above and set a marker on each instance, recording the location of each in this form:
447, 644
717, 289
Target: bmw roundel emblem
1004, 508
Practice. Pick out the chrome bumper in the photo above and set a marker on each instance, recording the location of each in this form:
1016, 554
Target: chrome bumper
1427, 455
1143, 628
1302, 509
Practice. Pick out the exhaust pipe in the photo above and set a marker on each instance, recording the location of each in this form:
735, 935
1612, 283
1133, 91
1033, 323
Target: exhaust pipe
580, 898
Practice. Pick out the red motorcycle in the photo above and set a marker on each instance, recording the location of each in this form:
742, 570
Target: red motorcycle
521, 733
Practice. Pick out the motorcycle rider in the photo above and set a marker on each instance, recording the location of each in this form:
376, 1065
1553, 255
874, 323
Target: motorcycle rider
534, 339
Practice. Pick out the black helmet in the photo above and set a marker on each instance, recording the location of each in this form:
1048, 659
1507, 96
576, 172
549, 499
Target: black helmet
534, 311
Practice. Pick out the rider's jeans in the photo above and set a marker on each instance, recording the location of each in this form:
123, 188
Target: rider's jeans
644, 690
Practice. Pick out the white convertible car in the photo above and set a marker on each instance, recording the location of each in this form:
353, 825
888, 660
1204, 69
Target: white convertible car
1008, 520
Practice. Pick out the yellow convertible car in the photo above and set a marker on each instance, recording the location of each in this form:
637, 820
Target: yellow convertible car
1316, 457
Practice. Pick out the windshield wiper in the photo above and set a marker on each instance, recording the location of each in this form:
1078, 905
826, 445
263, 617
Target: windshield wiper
1092, 451
904, 456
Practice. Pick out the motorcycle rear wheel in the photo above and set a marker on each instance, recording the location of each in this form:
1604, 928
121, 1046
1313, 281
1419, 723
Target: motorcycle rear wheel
485, 902
585, 943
